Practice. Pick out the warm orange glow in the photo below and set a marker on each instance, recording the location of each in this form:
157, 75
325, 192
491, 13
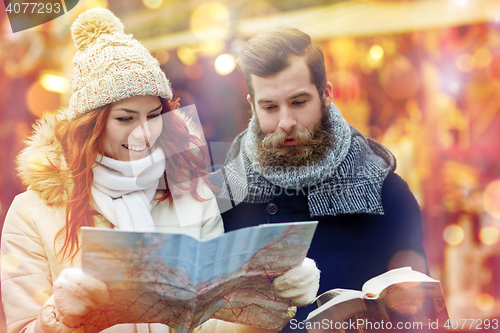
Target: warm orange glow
40, 100
225, 64
376, 52
344, 52
489, 235
491, 198
187, 55
465, 62
194, 71
97, 3
211, 47
162, 56
10, 262
399, 78
55, 83
258, 8
212, 15
482, 57
485, 302
152, 4
453, 234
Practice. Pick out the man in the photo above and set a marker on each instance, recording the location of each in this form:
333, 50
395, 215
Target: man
299, 160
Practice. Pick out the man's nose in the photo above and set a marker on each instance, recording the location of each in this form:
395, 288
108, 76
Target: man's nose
287, 120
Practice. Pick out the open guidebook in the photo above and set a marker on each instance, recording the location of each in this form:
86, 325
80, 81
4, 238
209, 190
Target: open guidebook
177, 280
400, 299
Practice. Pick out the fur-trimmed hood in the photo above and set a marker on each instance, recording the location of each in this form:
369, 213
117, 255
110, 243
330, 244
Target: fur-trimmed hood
41, 165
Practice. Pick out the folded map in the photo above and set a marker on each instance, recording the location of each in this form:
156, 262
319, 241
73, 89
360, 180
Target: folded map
179, 281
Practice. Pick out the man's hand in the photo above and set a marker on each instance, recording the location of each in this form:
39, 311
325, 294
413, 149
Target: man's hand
300, 284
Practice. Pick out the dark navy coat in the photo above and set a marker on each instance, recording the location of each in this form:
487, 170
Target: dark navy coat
348, 249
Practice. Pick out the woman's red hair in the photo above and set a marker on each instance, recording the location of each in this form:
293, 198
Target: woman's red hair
83, 139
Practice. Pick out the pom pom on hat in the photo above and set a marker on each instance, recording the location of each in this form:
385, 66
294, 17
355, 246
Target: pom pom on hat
90, 24
109, 65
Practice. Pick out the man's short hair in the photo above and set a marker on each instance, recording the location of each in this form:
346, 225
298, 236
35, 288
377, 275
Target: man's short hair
270, 52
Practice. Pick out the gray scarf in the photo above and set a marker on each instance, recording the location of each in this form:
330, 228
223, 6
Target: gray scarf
347, 180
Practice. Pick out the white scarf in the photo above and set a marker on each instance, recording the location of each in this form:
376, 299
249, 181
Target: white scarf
123, 190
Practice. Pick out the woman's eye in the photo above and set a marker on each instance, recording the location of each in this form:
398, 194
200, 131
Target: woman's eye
123, 119
152, 116
270, 107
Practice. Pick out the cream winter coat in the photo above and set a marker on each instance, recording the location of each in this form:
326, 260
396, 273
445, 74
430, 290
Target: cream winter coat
36, 215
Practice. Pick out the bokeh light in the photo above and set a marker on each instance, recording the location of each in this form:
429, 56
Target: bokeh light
461, 3
162, 56
399, 78
54, 83
376, 52
489, 235
187, 55
346, 86
485, 302
152, 4
40, 100
453, 234
194, 71
491, 198
344, 52
97, 3
211, 15
465, 62
237, 46
482, 57
225, 64
211, 47
10, 262
494, 67
258, 8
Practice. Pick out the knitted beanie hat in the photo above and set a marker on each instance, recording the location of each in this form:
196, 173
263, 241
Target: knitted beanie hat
110, 65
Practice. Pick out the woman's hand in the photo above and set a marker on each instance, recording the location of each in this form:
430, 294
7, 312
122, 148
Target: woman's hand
77, 294
47, 321
300, 284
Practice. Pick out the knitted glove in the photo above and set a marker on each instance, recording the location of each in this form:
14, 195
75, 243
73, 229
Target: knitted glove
47, 321
299, 284
76, 294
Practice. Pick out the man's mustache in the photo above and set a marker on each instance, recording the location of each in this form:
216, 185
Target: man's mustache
277, 140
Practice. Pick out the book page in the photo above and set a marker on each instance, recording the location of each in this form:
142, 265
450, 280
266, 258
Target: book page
374, 286
182, 282
333, 297
415, 301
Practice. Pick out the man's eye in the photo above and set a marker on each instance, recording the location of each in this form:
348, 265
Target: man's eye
268, 107
299, 102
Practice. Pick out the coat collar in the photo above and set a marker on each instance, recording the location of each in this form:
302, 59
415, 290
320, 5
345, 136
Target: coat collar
41, 165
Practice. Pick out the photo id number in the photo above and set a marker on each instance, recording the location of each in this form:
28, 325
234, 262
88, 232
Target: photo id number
33, 8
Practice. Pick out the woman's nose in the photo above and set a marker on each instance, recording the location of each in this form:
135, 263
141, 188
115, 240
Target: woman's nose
141, 133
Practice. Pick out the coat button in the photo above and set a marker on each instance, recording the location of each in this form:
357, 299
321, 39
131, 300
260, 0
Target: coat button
272, 208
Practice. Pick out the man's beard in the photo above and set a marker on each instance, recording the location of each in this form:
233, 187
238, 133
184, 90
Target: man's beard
310, 148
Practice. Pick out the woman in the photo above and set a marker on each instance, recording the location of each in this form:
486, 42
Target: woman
101, 163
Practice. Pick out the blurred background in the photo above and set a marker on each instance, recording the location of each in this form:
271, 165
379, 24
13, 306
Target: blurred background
422, 77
